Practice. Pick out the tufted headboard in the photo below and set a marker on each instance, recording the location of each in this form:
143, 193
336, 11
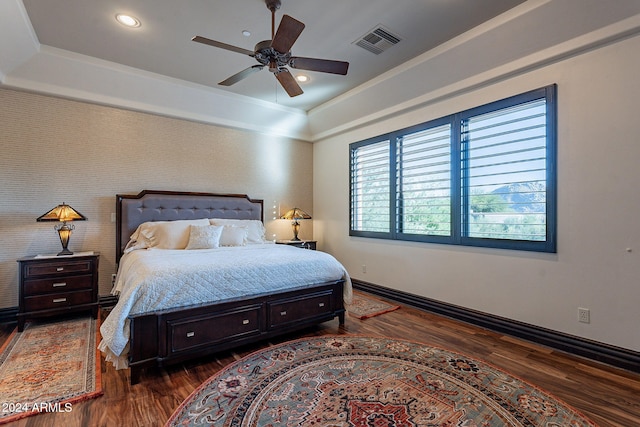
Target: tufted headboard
151, 205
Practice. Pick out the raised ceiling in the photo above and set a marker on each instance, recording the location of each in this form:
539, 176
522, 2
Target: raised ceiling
162, 44
76, 49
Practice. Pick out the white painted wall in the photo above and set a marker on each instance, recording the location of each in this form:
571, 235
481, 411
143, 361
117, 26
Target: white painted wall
598, 205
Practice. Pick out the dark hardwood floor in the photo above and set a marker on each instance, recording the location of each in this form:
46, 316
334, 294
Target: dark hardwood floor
608, 396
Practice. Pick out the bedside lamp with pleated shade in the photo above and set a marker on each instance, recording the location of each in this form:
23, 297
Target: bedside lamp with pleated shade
63, 213
294, 215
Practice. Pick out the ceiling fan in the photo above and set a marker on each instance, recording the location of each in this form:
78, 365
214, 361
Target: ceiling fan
276, 54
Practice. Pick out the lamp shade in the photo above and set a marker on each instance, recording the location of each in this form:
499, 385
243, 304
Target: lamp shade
295, 213
62, 213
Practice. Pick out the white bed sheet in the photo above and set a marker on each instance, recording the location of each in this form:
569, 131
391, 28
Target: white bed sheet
156, 279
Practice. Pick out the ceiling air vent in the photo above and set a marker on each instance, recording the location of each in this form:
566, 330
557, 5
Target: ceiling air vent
378, 40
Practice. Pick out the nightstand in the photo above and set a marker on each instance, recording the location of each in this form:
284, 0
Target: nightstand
56, 285
304, 244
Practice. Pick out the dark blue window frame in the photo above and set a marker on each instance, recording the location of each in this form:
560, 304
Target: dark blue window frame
460, 192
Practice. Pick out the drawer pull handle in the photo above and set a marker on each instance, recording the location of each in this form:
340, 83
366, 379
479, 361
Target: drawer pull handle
60, 269
59, 300
245, 322
191, 334
60, 285
283, 313
321, 304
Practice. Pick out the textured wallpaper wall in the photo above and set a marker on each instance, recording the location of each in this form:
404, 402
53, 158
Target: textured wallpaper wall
57, 150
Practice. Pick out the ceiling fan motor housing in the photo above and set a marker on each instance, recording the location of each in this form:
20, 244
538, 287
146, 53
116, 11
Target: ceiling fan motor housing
268, 56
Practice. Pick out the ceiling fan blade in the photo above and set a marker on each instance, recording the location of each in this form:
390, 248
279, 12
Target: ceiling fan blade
288, 82
288, 32
241, 75
221, 45
321, 65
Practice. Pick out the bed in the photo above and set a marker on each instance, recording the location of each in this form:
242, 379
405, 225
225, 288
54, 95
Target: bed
196, 277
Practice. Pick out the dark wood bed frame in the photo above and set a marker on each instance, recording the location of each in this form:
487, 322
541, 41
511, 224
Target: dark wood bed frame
175, 335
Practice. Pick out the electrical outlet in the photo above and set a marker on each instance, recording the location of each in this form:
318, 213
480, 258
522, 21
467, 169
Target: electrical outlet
584, 315
364, 268
113, 279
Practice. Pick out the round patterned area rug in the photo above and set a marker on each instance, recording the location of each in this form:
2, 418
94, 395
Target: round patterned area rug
339, 381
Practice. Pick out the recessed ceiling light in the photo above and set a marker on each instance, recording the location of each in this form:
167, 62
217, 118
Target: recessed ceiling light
128, 20
246, 33
302, 78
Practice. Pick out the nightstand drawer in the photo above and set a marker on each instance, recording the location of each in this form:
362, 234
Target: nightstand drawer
58, 268
60, 284
59, 300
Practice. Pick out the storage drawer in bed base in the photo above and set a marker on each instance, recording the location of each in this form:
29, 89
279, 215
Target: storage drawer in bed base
288, 311
211, 329
172, 336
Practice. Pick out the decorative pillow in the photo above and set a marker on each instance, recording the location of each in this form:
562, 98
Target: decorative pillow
233, 236
255, 228
204, 237
167, 234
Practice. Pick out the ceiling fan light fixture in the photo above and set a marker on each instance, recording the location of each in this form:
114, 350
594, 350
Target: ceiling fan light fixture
128, 20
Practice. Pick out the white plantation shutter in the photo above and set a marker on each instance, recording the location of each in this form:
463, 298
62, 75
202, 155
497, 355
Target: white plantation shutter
423, 162
370, 198
504, 173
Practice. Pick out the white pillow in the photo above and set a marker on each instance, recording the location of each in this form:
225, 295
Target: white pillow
255, 228
134, 245
204, 236
233, 236
167, 234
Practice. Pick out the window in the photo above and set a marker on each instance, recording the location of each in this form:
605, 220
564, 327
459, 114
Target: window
370, 187
482, 177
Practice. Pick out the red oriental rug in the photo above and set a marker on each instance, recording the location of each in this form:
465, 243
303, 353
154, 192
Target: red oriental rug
339, 381
48, 367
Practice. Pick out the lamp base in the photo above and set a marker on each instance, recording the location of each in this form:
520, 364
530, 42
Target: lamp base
64, 231
296, 227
